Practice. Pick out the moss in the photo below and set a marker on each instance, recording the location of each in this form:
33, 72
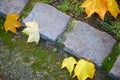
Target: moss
110, 60
47, 62
73, 7
26, 59
63, 36
4, 35
40, 58
44, 59
28, 8
46, 1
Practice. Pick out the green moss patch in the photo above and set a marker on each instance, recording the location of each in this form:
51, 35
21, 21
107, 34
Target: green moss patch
26, 59
71, 7
39, 59
28, 8
110, 60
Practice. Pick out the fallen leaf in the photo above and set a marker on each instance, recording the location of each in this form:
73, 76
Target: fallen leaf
98, 6
84, 69
113, 8
69, 64
32, 30
11, 22
101, 7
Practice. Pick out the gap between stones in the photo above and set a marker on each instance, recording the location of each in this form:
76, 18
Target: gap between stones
60, 40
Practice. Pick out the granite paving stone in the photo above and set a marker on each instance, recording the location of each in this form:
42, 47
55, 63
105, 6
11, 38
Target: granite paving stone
115, 71
87, 42
12, 6
52, 22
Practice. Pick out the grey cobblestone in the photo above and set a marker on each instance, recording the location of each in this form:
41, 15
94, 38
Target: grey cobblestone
115, 71
87, 42
12, 6
52, 22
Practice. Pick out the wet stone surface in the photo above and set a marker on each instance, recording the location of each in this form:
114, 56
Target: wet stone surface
115, 71
87, 42
12, 6
52, 22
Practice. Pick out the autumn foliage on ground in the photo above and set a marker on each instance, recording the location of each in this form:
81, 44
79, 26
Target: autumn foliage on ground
11, 22
101, 7
31, 29
83, 68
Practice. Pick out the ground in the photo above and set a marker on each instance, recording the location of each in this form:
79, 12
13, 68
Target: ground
20, 60
29, 61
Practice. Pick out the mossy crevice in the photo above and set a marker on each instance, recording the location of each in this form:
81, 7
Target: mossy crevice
27, 9
60, 40
111, 58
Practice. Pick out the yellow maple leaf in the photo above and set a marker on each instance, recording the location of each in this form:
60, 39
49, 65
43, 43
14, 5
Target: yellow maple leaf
11, 22
101, 7
32, 30
98, 6
84, 69
113, 8
69, 64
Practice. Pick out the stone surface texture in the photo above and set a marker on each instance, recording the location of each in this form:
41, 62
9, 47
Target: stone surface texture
115, 71
12, 6
87, 42
51, 21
